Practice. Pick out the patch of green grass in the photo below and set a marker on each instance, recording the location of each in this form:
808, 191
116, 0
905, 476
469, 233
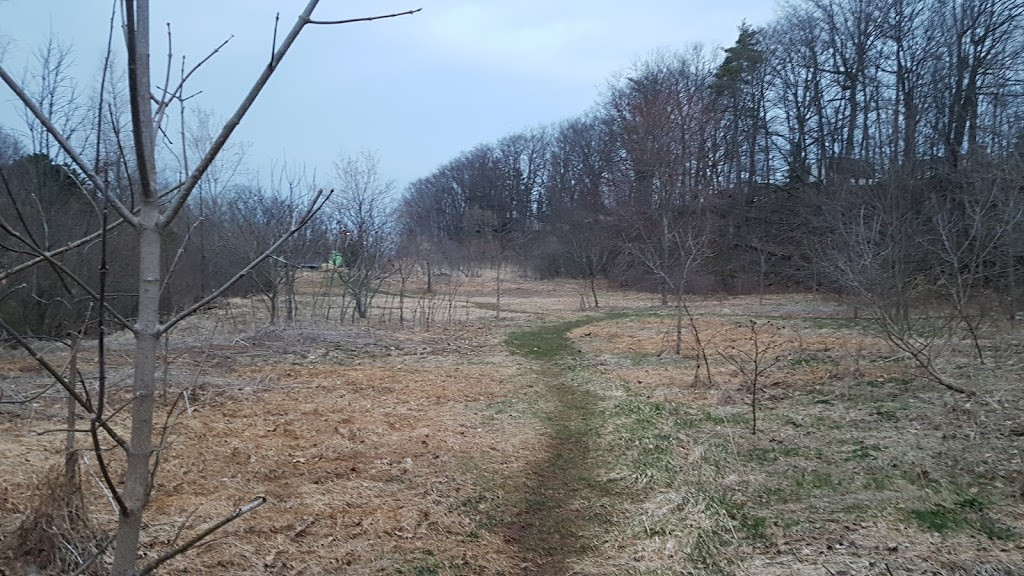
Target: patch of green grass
812, 421
888, 382
863, 452
808, 359
991, 528
879, 483
887, 413
939, 519
995, 530
971, 503
814, 480
721, 419
645, 435
641, 413
550, 342
769, 454
754, 525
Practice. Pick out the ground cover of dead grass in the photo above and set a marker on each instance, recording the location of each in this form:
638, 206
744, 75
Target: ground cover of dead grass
360, 442
859, 467
402, 448
381, 448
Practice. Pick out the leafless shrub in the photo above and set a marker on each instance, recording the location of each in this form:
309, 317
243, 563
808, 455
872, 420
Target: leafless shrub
754, 360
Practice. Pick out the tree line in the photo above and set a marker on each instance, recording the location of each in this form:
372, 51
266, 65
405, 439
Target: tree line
867, 147
46, 206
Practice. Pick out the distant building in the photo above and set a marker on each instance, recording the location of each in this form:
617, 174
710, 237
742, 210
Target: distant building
844, 169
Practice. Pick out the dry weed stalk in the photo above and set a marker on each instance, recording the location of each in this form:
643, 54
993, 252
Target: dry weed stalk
55, 535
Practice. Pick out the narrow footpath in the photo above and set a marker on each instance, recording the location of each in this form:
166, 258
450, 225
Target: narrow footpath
548, 526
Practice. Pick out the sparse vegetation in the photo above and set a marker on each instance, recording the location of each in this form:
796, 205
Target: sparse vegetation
855, 164
568, 443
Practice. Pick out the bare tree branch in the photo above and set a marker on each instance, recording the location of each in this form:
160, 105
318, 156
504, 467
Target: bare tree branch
66, 146
363, 19
137, 38
243, 108
191, 542
179, 90
47, 256
63, 271
314, 206
68, 386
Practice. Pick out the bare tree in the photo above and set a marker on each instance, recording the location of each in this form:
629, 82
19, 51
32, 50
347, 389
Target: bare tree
155, 212
687, 249
363, 209
253, 220
198, 132
10, 147
54, 90
875, 254
968, 230
755, 359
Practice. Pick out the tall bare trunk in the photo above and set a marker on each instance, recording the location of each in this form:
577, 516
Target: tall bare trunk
147, 326
136, 483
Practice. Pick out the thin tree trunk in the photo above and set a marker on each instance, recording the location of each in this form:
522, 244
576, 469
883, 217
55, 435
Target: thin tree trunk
70, 456
147, 326
136, 483
497, 291
753, 400
679, 324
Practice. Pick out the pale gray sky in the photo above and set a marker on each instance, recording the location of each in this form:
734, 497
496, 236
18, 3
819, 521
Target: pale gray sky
417, 89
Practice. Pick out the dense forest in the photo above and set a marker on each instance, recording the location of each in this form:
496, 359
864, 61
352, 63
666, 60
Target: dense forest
870, 148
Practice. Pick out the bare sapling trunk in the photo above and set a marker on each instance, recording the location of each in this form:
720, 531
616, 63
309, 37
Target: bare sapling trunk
679, 323
497, 290
150, 217
70, 454
754, 360
291, 304
702, 348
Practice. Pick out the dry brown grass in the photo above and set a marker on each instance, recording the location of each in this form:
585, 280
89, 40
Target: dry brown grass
859, 467
408, 449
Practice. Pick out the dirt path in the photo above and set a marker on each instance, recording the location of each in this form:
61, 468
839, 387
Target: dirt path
549, 524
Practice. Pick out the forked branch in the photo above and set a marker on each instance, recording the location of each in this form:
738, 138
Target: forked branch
68, 386
229, 127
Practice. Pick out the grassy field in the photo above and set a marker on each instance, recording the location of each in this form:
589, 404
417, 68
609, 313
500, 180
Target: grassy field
554, 440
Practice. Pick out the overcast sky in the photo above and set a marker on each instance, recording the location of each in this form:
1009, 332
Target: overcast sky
417, 89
